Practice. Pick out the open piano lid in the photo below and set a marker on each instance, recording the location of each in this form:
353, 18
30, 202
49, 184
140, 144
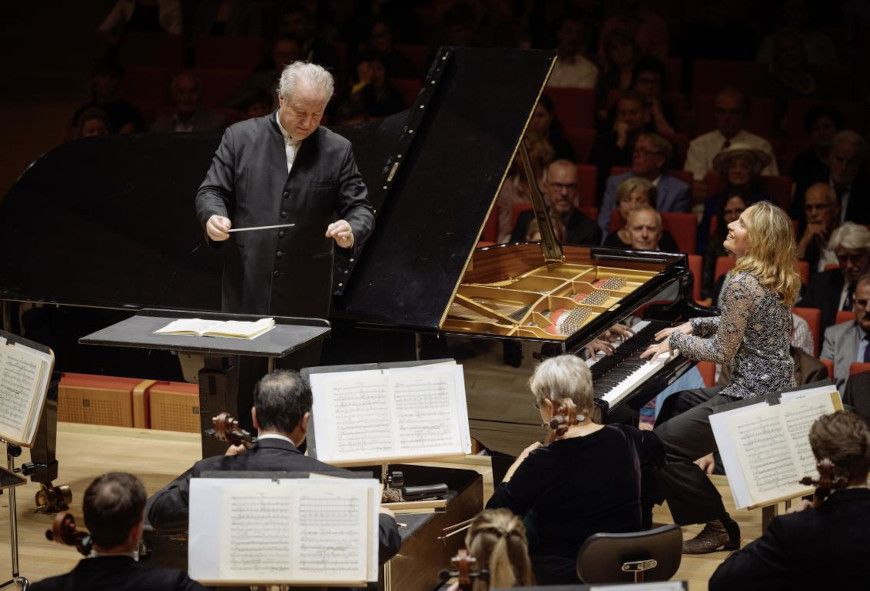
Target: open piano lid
461, 137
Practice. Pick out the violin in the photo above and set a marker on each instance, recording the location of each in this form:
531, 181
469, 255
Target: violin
64, 531
464, 570
827, 482
226, 428
564, 418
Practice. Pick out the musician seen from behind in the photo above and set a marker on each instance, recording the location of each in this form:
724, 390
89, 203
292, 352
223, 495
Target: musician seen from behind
284, 168
496, 540
585, 480
113, 505
752, 336
281, 415
820, 545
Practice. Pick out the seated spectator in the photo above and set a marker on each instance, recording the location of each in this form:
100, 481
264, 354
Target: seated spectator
544, 124
106, 95
740, 165
648, 82
572, 69
298, 22
856, 394
649, 160
281, 414
376, 95
731, 207
648, 29
821, 124
533, 233
257, 104
823, 217
380, 45
616, 146
815, 548
730, 117
515, 189
819, 48
834, 290
632, 194
790, 76
112, 507
141, 16
617, 62
646, 229
233, 18
554, 481
849, 342
497, 540
92, 122
285, 50
561, 194
849, 176
187, 115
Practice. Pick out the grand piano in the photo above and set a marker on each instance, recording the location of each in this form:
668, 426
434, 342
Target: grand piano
102, 227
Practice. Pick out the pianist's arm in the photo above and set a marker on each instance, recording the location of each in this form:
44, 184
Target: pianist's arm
216, 194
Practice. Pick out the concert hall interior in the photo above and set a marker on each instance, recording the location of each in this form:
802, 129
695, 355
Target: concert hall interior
465, 294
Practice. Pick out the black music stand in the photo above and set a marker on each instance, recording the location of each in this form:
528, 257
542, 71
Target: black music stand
218, 380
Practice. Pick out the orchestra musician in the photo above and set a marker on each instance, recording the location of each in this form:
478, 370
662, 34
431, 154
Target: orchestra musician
751, 335
281, 414
113, 507
586, 480
819, 545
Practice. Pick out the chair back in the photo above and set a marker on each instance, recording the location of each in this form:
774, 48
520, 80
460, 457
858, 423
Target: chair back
813, 316
652, 555
844, 316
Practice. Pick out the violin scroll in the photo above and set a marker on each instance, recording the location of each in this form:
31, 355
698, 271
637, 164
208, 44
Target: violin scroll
64, 531
564, 418
827, 482
226, 428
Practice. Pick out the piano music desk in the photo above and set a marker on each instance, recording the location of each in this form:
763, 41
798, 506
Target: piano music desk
156, 457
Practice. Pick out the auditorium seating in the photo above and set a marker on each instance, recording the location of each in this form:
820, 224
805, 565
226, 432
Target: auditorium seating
217, 86
581, 139
858, 367
409, 88
574, 107
696, 265
844, 316
709, 76
683, 175
760, 116
587, 184
236, 53
813, 316
683, 227
725, 264
418, 55
778, 188
152, 49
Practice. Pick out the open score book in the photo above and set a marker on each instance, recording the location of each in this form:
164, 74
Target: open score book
25, 371
236, 329
388, 415
765, 448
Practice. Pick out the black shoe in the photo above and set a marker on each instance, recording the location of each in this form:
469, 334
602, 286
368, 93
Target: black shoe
719, 534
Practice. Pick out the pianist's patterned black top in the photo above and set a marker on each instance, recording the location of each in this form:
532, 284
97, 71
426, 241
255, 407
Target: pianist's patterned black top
752, 335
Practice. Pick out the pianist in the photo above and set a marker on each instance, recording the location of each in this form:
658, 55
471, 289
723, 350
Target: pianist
585, 481
752, 336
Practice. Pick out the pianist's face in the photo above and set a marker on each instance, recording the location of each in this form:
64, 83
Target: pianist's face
737, 240
301, 112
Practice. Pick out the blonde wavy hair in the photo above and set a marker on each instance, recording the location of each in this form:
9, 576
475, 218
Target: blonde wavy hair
497, 539
772, 254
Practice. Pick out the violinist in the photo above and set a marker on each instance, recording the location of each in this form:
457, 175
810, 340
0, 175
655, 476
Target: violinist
281, 414
113, 506
585, 480
820, 545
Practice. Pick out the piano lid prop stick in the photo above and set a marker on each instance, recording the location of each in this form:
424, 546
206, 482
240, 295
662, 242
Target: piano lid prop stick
255, 228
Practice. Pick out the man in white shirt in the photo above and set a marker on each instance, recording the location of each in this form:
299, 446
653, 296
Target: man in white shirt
572, 69
730, 117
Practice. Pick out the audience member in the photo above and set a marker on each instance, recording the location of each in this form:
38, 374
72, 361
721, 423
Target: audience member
818, 47
141, 16
106, 95
515, 189
187, 115
790, 76
257, 104
649, 160
113, 504
849, 176
648, 29
739, 165
634, 193
617, 62
730, 117
533, 233
376, 95
92, 122
285, 50
847, 342
822, 218
821, 124
823, 547
857, 394
572, 69
233, 18
615, 146
281, 415
646, 229
732, 205
834, 290
555, 482
298, 22
380, 44
560, 191
544, 124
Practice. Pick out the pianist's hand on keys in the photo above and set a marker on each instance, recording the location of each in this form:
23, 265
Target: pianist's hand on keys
663, 345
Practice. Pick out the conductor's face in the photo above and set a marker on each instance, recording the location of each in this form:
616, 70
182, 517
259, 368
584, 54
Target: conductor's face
301, 112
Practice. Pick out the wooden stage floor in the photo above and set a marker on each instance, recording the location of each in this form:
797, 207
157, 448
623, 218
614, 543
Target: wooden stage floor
85, 451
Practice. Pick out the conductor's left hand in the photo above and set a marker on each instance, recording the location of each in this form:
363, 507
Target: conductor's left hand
341, 232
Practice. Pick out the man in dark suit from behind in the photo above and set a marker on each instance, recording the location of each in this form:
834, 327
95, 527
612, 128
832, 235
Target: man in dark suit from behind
281, 414
113, 506
815, 548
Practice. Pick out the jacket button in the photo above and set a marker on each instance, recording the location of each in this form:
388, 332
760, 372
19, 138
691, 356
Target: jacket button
275, 273
281, 234
279, 254
285, 194
283, 214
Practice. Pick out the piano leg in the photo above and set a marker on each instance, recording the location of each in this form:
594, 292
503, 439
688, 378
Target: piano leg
42, 467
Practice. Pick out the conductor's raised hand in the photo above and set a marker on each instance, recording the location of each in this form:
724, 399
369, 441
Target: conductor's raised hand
341, 232
217, 227
684, 328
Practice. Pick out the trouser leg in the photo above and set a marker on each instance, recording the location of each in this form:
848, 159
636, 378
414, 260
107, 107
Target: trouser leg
691, 497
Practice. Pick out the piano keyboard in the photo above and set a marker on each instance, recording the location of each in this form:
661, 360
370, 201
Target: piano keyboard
616, 376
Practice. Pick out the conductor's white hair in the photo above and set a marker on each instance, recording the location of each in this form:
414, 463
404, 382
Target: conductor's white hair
565, 376
306, 73
850, 236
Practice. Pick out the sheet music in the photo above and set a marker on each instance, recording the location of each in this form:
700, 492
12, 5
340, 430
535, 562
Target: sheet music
332, 533
24, 375
799, 415
425, 405
765, 451
258, 526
